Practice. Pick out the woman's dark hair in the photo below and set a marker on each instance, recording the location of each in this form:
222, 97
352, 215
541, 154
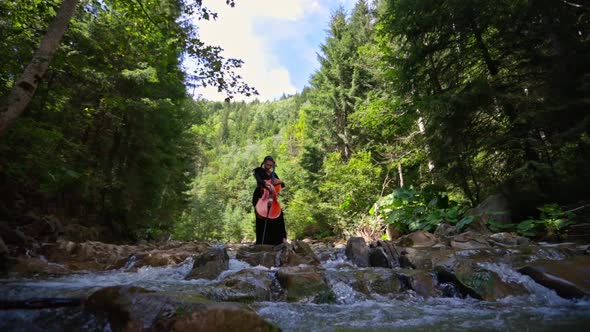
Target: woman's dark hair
267, 158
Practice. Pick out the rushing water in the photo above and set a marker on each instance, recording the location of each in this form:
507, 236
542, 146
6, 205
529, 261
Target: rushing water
541, 310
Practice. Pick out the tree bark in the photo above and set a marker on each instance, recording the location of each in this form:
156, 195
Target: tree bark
25, 87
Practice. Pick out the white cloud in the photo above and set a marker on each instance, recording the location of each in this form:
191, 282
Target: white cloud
283, 21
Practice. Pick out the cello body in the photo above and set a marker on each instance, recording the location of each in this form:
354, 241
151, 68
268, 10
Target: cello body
268, 206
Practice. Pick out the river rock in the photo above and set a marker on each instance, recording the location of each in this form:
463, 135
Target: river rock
392, 254
210, 264
127, 308
445, 230
421, 282
168, 254
258, 255
305, 283
378, 258
132, 309
247, 286
417, 239
423, 258
357, 251
570, 278
475, 281
218, 317
495, 207
23, 266
508, 239
297, 253
88, 256
469, 240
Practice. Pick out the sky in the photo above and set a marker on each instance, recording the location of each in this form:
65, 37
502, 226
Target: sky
278, 40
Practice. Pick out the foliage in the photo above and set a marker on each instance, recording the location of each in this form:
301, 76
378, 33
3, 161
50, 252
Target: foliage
410, 210
108, 138
473, 96
348, 189
492, 98
552, 221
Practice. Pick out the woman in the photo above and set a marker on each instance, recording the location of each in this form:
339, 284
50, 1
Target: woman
268, 231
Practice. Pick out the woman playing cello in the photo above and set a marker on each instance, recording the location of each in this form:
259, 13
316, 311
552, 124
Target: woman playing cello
270, 224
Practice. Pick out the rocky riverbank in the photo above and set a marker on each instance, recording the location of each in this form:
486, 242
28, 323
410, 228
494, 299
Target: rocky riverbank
466, 265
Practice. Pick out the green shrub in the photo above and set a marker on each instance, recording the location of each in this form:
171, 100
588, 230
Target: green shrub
410, 210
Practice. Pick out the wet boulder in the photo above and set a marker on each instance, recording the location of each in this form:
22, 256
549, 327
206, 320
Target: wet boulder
423, 258
305, 283
444, 230
133, 309
421, 282
357, 251
246, 285
508, 239
471, 279
369, 282
210, 264
34, 266
469, 240
384, 254
495, 207
88, 256
258, 255
297, 253
377, 281
218, 317
170, 254
128, 308
417, 239
570, 278
378, 258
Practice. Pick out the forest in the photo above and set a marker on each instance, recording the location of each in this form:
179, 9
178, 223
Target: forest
419, 111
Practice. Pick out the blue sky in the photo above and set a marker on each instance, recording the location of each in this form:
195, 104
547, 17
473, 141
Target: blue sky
277, 39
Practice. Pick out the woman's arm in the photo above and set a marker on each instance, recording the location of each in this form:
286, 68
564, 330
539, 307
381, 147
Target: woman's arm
259, 175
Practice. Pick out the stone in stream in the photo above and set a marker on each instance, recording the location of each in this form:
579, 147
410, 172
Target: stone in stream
255, 255
474, 281
131, 309
291, 254
210, 264
570, 278
247, 285
305, 283
421, 282
357, 251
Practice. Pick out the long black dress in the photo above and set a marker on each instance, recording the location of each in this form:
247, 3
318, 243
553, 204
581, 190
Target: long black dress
275, 228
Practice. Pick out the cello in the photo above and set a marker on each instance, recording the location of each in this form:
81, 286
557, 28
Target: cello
268, 206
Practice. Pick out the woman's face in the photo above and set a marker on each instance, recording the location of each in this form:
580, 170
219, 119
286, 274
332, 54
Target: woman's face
268, 165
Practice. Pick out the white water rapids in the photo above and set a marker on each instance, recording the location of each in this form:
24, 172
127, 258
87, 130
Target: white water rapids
541, 310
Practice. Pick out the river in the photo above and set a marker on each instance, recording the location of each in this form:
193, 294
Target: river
540, 310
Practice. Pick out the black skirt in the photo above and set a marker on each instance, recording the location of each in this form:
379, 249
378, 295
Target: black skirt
268, 231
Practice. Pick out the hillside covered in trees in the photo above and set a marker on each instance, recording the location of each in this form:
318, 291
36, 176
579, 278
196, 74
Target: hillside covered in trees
419, 111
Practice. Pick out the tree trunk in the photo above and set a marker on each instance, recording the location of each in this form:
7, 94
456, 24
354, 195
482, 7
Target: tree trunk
25, 87
401, 175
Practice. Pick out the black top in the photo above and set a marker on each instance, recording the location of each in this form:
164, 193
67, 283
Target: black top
261, 176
